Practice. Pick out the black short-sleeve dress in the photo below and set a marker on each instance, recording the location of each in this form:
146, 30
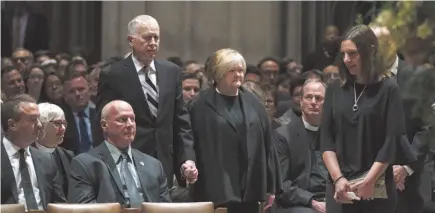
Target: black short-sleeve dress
375, 132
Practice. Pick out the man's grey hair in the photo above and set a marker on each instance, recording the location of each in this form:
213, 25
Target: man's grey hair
312, 80
141, 19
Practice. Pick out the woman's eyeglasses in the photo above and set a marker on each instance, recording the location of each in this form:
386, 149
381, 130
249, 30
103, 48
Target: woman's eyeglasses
59, 124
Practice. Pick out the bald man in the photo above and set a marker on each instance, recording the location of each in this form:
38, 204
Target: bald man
115, 172
413, 181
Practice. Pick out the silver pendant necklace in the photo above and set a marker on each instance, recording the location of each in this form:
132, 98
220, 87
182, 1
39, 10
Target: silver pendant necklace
355, 106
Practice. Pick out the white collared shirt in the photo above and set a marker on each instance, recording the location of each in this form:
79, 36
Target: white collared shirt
44, 149
14, 158
393, 68
152, 73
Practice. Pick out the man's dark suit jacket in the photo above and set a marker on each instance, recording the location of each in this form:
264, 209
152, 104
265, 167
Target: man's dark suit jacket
71, 140
65, 157
169, 137
282, 107
36, 34
94, 178
294, 154
49, 183
417, 185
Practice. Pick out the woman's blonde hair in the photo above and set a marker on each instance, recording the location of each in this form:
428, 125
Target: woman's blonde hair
221, 62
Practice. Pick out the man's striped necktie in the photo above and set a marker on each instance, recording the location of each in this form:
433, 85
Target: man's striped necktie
152, 93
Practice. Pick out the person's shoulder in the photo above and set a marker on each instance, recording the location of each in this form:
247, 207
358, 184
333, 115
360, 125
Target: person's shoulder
144, 156
87, 157
198, 99
146, 160
389, 84
166, 64
35, 152
116, 67
67, 152
250, 97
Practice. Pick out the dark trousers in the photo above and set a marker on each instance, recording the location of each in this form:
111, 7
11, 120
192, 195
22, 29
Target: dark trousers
429, 207
363, 206
295, 209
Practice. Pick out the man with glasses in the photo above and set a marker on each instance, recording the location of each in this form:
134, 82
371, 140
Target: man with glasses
22, 59
302, 170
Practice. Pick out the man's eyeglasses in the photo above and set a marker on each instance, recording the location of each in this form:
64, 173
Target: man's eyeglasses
25, 60
331, 75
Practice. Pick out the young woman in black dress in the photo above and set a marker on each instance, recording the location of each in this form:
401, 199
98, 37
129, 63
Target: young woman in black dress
363, 128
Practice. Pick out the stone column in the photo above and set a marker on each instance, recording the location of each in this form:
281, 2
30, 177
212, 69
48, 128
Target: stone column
294, 30
110, 29
194, 30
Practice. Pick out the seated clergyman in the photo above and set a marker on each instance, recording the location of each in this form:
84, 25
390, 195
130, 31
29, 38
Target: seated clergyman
302, 170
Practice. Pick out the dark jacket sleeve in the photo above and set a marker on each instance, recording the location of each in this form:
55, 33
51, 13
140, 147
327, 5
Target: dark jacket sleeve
327, 131
183, 138
58, 195
396, 148
420, 146
273, 170
80, 188
164, 191
291, 194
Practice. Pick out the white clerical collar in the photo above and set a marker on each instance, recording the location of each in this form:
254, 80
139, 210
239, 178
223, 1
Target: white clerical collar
394, 67
44, 149
309, 126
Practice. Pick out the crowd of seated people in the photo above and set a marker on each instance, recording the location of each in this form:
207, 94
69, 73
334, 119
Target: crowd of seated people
136, 129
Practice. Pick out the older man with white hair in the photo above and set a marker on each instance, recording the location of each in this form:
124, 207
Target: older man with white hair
52, 132
153, 89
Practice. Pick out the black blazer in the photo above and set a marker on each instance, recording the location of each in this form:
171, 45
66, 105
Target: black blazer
65, 157
294, 155
168, 138
212, 125
49, 183
71, 140
36, 34
94, 178
418, 185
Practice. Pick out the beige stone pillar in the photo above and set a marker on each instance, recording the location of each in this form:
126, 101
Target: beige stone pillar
194, 30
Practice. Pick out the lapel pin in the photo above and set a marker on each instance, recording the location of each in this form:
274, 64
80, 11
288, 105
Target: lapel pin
141, 163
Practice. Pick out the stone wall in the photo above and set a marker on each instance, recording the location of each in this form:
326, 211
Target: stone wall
194, 30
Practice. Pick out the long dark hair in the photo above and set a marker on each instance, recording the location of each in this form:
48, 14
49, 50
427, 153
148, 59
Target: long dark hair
372, 68
44, 97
